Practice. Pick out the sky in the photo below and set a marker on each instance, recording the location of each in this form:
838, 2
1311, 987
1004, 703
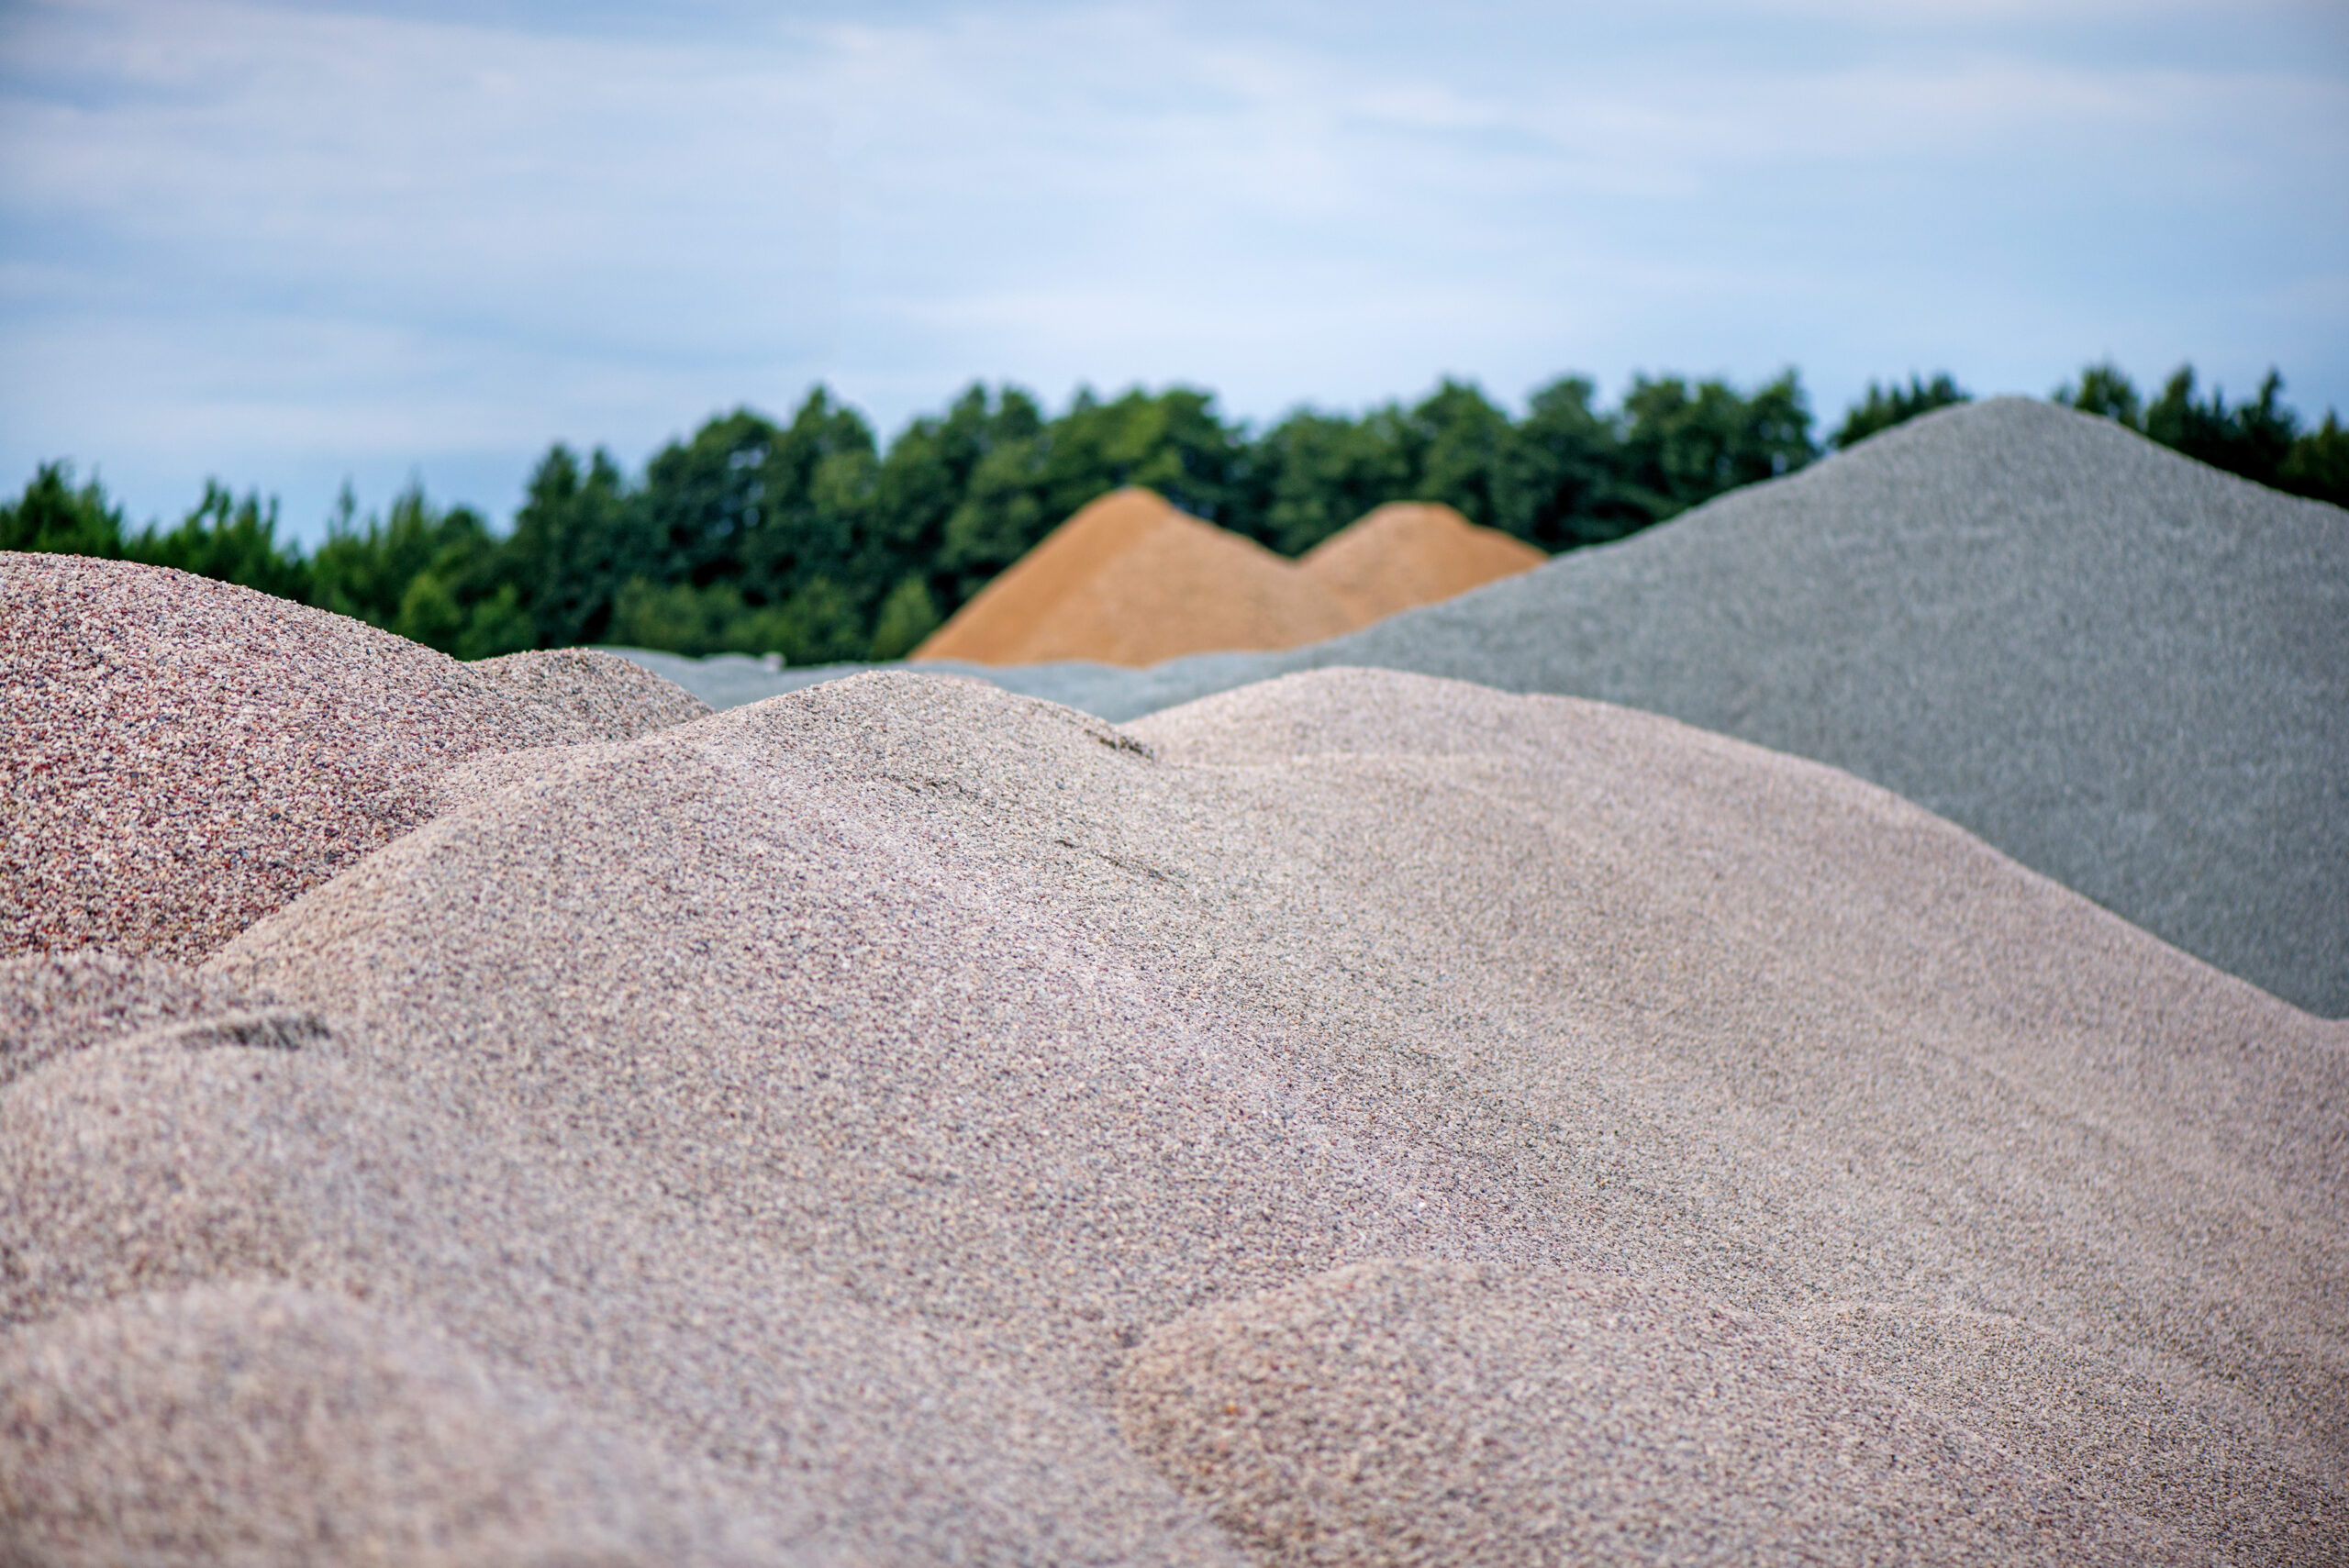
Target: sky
291, 245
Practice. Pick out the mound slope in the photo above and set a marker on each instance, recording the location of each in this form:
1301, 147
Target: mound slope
183, 756
865, 1114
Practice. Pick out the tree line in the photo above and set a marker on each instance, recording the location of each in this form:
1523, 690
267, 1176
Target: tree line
810, 539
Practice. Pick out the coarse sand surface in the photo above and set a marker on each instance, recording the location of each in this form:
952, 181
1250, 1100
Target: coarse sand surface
2125, 669
183, 756
1356, 1118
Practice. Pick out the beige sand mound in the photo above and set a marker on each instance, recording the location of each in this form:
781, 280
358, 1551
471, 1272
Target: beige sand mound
606, 697
1408, 554
54, 1002
1454, 1414
142, 1434
1129, 580
834, 1102
183, 756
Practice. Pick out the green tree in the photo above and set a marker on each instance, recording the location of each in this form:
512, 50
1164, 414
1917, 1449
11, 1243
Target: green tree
2104, 389
819, 488
1022, 489
2252, 439
578, 538
1564, 483
435, 577
1313, 473
928, 472
1462, 447
2318, 464
1684, 446
2260, 440
53, 517
1890, 405
907, 616
231, 541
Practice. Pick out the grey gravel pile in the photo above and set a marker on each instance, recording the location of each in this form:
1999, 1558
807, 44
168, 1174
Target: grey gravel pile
1356, 1118
178, 757
2125, 669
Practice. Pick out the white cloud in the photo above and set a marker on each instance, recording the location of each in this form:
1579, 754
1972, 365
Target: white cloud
287, 241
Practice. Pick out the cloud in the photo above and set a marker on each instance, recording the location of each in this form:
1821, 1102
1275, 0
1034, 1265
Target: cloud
289, 243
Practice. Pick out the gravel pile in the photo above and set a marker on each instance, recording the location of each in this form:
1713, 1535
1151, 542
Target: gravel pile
183, 756
907, 1122
2125, 669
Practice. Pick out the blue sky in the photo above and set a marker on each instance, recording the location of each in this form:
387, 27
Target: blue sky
287, 245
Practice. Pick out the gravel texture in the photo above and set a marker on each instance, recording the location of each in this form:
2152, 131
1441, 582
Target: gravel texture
2125, 669
182, 756
252, 1423
51, 1004
880, 1121
1447, 1414
605, 696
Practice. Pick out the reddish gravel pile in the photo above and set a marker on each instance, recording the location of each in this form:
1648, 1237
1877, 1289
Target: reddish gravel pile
182, 756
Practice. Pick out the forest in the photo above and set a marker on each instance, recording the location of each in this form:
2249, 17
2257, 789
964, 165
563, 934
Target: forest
807, 538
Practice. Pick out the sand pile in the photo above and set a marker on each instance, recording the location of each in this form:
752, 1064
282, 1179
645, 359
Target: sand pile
1408, 554
1131, 581
1360, 1117
2123, 668
183, 756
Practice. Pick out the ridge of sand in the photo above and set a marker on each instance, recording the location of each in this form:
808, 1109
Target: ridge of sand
183, 756
1408, 554
1129, 580
889, 1116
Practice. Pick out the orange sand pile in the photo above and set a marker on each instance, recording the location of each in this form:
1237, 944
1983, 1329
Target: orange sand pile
1409, 553
1129, 580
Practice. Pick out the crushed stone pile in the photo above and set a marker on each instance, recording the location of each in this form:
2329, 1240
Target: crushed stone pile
1359, 1118
1131, 581
183, 756
2125, 669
